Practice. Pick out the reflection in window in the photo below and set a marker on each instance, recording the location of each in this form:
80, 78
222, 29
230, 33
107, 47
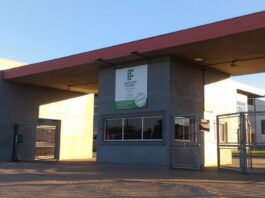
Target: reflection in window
138, 128
184, 129
133, 128
113, 129
152, 128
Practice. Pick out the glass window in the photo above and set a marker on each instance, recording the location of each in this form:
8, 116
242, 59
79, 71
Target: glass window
223, 132
184, 129
113, 129
138, 128
263, 127
241, 106
251, 101
152, 128
133, 128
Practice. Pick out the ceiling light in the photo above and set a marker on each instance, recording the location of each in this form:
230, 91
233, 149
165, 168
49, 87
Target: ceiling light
233, 64
198, 59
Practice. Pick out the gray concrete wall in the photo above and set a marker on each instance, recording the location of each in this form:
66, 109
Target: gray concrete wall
187, 90
136, 152
20, 104
187, 99
213, 76
189, 82
175, 87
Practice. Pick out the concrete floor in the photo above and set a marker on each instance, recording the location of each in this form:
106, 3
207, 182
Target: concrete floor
91, 180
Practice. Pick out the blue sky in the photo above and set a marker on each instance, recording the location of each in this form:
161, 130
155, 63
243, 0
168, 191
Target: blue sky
37, 30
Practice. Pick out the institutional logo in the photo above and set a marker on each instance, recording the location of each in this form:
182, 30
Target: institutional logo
130, 74
140, 99
131, 87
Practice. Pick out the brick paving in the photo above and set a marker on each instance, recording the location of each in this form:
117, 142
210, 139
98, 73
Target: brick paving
91, 180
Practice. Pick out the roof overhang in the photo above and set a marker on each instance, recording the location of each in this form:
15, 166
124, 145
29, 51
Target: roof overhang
235, 46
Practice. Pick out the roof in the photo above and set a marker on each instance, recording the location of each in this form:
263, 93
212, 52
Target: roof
248, 89
235, 46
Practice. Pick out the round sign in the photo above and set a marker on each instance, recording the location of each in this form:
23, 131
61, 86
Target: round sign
140, 99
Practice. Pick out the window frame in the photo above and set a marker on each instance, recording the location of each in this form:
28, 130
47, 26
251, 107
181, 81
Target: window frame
261, 126
142, 131
123, 130
225, 135
194, 136
105, 128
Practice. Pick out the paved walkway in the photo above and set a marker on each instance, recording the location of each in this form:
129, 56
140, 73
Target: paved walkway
91, 180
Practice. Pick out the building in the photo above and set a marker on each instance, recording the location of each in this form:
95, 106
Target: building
226, 97
60, 129
152, 93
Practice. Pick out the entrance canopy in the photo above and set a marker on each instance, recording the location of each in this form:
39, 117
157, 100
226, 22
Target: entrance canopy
235, 46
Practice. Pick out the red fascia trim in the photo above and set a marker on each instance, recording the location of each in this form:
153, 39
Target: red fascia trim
210, 31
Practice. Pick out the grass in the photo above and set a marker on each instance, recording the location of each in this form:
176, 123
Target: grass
254, 153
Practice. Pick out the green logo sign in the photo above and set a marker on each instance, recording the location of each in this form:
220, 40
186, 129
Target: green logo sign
130, 74
19, 139
131, 87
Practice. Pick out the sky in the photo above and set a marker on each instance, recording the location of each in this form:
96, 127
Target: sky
38, 30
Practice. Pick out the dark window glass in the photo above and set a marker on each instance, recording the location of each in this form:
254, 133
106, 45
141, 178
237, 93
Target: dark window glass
139, 128
251, 101
184, 129
113, 129
133, 128
152, 128
263, 126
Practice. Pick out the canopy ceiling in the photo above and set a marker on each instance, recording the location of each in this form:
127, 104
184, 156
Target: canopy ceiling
235, 46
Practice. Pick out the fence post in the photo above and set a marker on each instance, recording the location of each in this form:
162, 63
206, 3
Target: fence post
243, 153
218, 141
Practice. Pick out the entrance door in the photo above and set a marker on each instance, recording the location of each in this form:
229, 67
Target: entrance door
24, 142
185, 147
36, 141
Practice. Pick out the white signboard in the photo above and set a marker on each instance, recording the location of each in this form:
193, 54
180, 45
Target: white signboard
131, 87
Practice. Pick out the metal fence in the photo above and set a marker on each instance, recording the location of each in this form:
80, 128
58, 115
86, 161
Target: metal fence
241, 141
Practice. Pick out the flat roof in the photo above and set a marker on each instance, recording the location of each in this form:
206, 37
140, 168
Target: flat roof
235, 46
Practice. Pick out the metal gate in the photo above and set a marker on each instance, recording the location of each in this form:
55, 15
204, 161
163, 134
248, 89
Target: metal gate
24, 143
241, 141
185, 146
36, 141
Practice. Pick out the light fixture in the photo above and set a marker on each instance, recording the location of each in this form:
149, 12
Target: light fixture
233, 64
198, 59
104, 61
136, 53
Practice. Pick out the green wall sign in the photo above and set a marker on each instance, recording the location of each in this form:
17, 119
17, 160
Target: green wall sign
131, 87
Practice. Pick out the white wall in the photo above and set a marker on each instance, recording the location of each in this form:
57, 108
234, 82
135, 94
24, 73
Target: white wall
221, 98
76, 115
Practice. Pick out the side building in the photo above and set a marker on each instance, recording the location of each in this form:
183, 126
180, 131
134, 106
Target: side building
228, 97
42, 123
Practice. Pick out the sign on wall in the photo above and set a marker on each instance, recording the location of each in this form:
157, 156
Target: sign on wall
131, 87
204, 125
19, 138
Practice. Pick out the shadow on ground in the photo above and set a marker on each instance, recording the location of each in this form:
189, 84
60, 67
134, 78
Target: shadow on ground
92, 180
